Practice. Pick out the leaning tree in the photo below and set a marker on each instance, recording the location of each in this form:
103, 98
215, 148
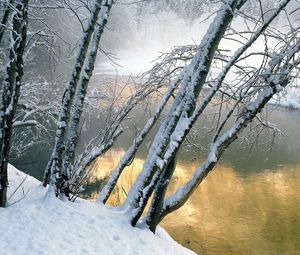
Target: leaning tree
194, 90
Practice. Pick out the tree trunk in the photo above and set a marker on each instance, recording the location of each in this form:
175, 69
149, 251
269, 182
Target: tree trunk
153, 216
193, 81
53, 168
5, 18
73, 130
11, 91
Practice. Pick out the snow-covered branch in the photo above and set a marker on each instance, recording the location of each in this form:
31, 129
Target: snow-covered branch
129, 155
279, 79
55, 163
194, 76
11, 87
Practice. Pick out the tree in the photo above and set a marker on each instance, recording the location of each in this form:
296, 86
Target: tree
250, 95
176, 124
11, 88
25, 109
73, 99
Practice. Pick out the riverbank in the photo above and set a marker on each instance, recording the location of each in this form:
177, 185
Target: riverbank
35, 224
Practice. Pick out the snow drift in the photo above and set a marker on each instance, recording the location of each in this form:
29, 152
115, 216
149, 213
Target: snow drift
37, 224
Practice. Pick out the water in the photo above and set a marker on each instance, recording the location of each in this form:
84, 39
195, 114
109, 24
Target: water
250, 204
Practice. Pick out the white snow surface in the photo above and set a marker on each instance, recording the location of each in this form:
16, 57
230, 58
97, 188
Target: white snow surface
37, 224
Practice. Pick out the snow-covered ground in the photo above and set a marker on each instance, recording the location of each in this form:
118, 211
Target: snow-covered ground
37, 224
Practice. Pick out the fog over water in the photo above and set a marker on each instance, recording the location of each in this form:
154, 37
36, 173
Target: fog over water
139, 33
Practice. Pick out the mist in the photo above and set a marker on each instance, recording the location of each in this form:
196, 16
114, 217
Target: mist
139, 33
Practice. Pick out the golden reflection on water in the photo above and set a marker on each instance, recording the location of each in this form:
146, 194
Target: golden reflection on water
228, 213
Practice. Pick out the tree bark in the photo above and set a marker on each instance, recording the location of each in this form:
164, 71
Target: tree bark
5, 18
77, 107
11, 91
153, 216
193, 81
53, 168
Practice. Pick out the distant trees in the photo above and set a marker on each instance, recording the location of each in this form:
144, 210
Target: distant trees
186, 10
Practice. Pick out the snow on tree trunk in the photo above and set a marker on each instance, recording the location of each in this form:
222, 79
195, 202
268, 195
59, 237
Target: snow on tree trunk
275, 82
11, 89
54, 165
194, 77
77, 107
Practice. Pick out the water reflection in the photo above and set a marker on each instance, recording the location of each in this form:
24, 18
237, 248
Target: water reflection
229, 213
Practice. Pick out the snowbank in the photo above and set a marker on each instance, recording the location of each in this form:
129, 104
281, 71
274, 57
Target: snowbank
35, 224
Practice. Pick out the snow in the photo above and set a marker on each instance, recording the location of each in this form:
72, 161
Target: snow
212, 157
37, 224
133, 148
290, 98
181, 106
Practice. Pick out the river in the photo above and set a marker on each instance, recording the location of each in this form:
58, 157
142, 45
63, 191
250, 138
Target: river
250, 203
